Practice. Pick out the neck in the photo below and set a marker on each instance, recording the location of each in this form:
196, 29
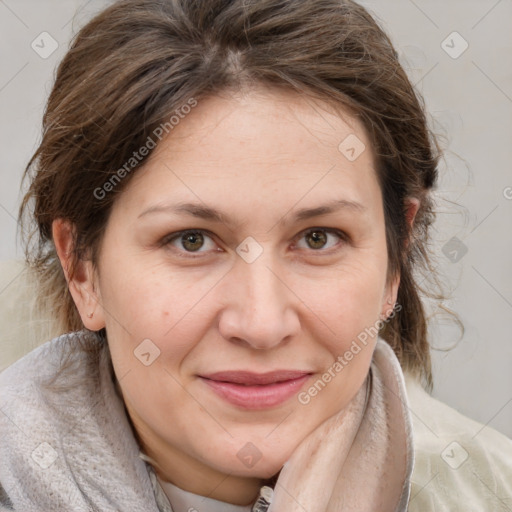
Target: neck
177, 467
190, 475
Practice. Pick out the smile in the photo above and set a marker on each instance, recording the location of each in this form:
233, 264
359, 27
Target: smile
256, 391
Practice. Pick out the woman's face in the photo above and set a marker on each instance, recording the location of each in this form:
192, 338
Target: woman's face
252, 241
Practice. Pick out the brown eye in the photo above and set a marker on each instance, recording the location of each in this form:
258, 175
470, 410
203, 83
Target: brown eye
191, 243
192, 240
316, 239
320, 239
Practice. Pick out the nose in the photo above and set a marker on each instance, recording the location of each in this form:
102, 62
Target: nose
261, 309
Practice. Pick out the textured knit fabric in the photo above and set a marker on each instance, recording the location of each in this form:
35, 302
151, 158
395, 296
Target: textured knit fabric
359, 459
74, 449
68, 450
71, 446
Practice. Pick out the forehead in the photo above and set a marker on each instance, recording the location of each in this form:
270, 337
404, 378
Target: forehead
265, 147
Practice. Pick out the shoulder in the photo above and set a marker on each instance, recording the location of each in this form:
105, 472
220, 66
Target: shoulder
23, 324
45, 387
47, 361
460, 464
67, 443
42, 392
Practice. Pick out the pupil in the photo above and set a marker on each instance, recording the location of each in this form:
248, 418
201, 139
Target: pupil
192, 241
317, 239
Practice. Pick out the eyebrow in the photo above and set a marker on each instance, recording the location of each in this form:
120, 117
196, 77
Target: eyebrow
202, 211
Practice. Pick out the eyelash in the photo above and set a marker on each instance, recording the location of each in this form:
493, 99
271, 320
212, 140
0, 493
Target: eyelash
166, 241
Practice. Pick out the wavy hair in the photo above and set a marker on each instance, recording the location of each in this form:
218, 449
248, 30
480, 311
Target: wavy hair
135, 63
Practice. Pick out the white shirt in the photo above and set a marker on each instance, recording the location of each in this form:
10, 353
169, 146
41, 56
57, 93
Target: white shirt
184, 501
171, 498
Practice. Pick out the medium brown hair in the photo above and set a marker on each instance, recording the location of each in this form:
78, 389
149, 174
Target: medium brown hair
138, 61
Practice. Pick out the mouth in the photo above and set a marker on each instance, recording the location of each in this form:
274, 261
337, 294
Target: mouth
256, 390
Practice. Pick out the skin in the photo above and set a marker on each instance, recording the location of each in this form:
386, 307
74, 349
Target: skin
258, 157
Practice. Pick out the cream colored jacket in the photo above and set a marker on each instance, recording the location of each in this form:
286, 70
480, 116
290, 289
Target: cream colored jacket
460, 465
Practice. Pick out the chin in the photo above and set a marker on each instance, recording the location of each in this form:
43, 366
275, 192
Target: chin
253, 463
266, 470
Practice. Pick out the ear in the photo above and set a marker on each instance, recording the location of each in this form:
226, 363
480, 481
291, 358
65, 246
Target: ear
82, 282
412, 205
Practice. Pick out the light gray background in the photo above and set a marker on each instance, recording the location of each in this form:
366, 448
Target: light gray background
470, 103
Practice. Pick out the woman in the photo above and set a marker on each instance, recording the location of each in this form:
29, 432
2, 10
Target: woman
230, 198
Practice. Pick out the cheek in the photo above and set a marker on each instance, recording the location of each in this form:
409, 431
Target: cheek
154, 321
344, 317
346, 300
153, 300
344, 321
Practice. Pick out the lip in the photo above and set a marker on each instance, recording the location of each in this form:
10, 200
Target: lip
256, 390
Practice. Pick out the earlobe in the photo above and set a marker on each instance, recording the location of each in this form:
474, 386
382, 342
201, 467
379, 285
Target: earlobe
80, 276
412, 205
389, 299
